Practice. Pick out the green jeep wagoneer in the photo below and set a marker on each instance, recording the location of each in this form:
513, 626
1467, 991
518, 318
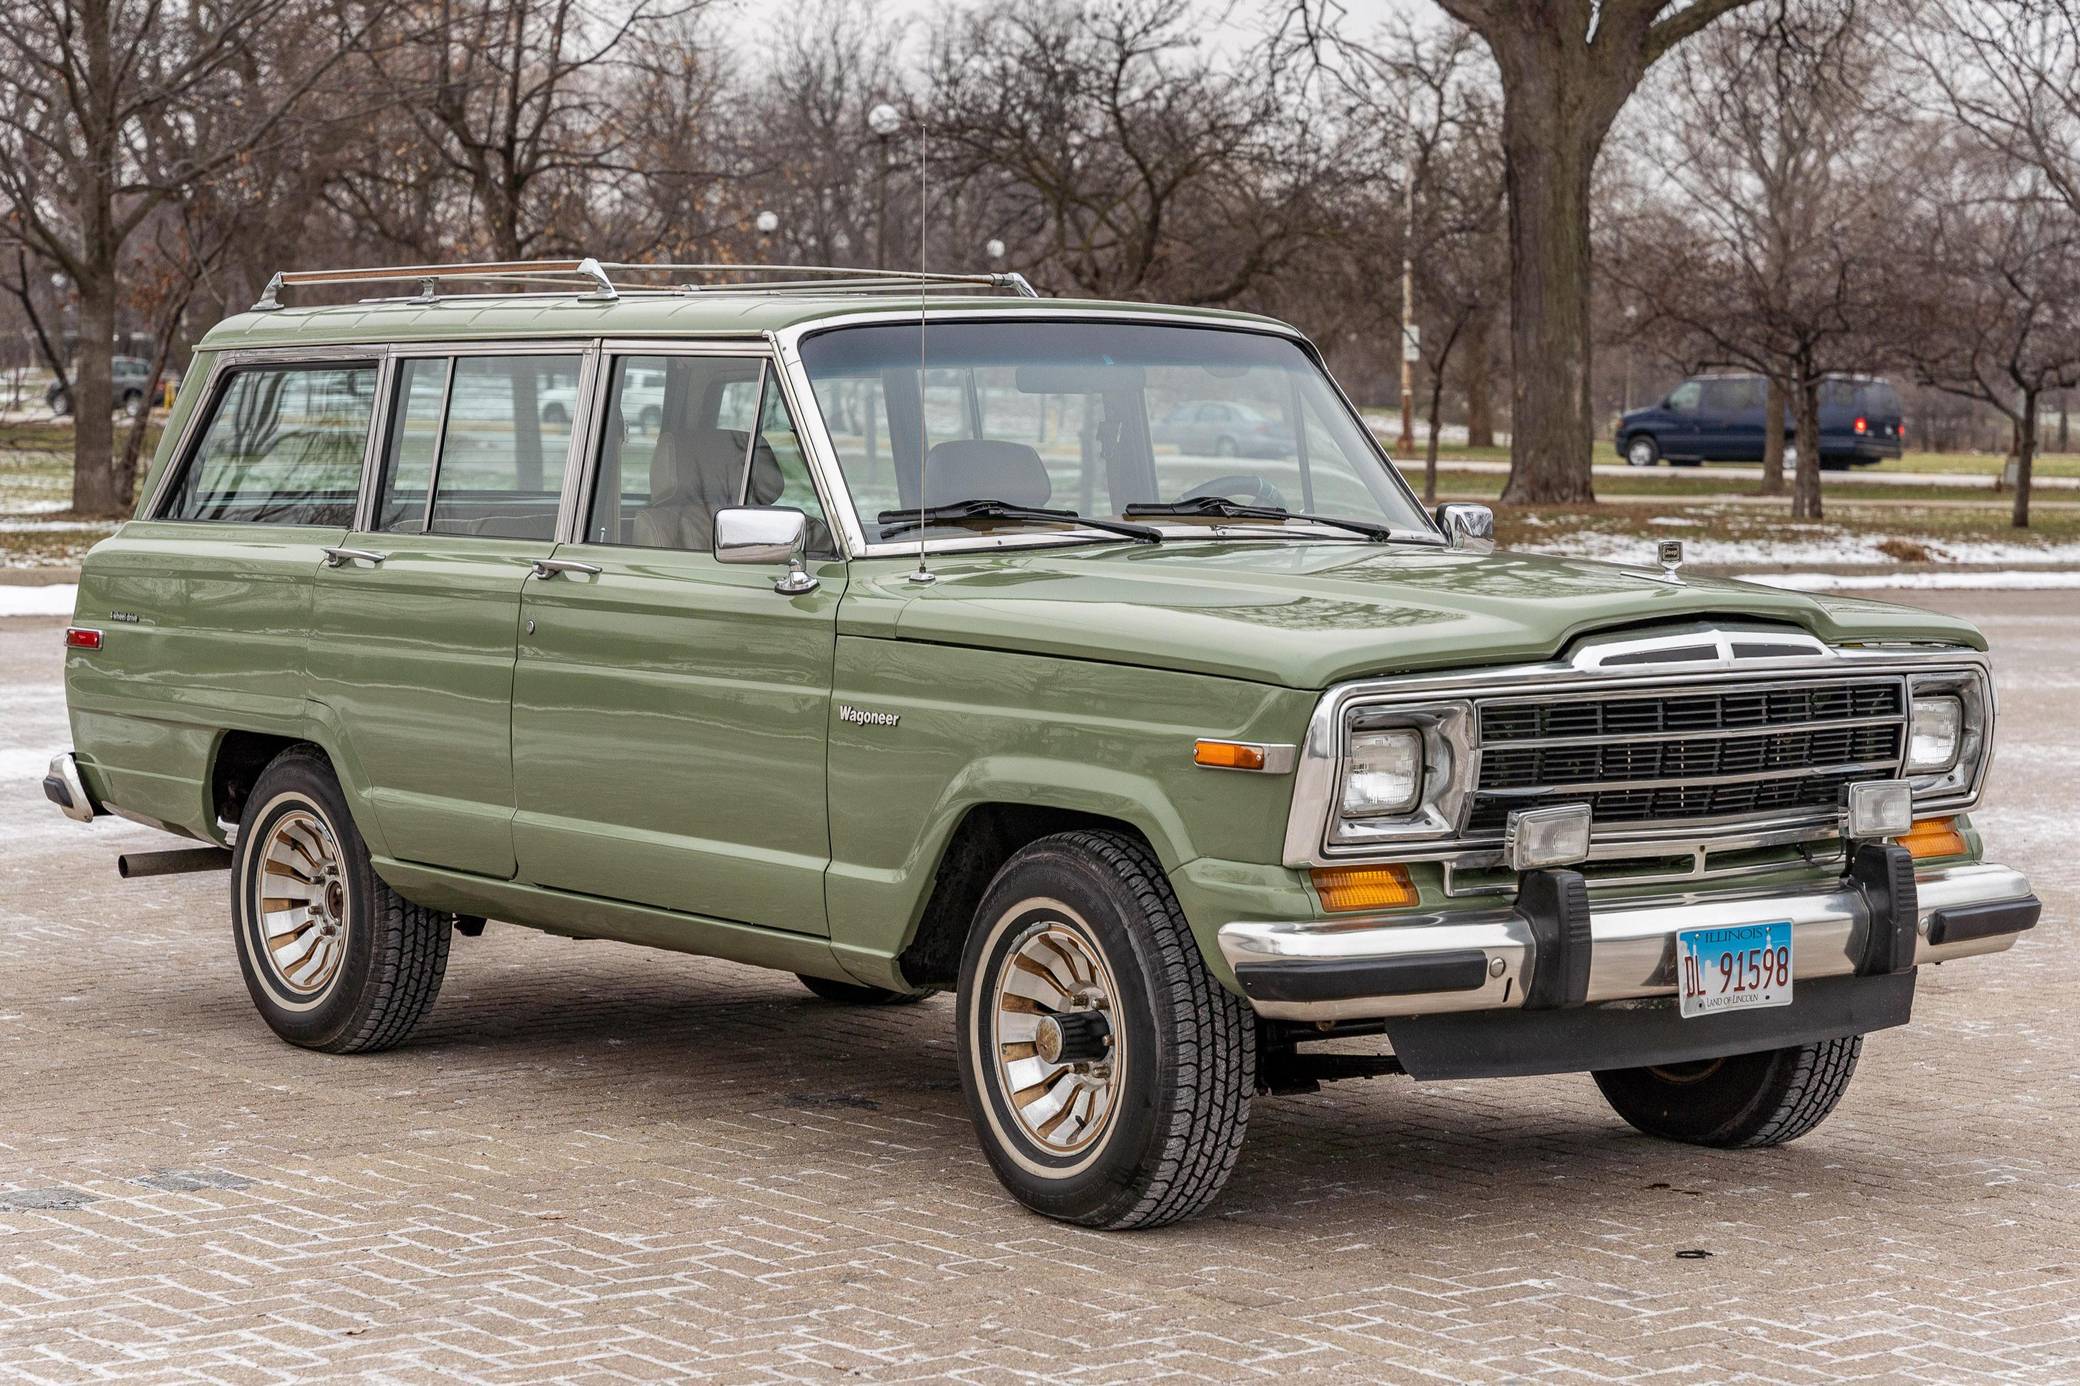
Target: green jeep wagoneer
892, 631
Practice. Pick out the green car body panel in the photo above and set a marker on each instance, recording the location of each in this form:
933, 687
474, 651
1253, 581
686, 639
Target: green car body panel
664, 752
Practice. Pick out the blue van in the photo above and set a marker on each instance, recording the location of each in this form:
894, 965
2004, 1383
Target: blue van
1718, 418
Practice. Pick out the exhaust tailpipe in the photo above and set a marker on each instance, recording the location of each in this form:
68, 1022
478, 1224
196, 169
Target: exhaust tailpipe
131, 865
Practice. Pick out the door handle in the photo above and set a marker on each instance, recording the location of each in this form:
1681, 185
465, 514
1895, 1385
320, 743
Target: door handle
339, 558
546, 568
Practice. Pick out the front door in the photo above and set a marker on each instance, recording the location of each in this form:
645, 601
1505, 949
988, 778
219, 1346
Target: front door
670, 711
415, 625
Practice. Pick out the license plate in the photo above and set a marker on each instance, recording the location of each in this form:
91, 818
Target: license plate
1736, 968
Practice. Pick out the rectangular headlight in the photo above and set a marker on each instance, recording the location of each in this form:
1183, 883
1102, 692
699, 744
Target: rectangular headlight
1949, 737
1935, 733
1384, 773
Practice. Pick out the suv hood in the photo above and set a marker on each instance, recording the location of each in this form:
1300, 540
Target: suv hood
1307, 615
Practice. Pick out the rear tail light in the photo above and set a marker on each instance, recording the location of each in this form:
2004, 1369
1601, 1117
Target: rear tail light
82, 638
1863, 425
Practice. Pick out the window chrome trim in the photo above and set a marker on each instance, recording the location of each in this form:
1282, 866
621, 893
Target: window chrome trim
1312, 818
222, 367
844, 519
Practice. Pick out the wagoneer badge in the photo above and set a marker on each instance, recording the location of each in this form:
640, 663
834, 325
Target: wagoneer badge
861, 718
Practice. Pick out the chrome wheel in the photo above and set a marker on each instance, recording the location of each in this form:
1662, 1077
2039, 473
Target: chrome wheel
300, 899
1640, 453
1057, 1052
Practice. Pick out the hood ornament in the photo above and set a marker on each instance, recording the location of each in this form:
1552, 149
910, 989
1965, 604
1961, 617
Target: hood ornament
1670, 554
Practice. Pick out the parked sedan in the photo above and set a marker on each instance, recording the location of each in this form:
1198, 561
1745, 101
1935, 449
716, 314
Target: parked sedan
1223, 428
132, 378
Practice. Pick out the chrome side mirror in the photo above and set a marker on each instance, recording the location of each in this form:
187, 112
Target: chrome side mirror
766, 534
1470, 527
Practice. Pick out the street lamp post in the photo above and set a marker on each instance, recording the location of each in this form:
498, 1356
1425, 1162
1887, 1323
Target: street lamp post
884, 120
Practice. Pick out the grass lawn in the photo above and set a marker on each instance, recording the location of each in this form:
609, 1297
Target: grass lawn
1953, 463
1904, 534
37, 527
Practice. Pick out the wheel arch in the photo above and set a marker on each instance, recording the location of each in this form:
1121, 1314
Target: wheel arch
986, 836
241, 754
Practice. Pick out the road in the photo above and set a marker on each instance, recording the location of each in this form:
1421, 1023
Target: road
1879, 475
603, 1164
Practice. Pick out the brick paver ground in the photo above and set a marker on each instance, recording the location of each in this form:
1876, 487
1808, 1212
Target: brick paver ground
603, 1164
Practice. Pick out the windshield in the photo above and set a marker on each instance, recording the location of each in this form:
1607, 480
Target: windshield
1093, 417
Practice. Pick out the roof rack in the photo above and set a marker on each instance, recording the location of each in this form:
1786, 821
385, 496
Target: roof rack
594, 279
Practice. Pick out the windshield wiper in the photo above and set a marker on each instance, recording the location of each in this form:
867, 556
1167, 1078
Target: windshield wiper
896, 521
1226, 509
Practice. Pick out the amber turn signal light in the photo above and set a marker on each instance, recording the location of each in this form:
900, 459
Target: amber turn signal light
1933, 837
1228, 755
1364, 887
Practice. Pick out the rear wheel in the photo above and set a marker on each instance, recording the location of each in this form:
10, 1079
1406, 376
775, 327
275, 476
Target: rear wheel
1108, 1073
853, 994
1741, 1100
1641, 450
333, 958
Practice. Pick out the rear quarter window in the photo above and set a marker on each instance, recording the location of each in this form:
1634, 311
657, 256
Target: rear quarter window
283, 445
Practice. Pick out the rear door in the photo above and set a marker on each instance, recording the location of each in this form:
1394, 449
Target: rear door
416, 625
210, 594
670, 712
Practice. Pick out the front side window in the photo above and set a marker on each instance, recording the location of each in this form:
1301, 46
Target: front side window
478, 446
1092, 417
283, 446
687, 436
1683, 399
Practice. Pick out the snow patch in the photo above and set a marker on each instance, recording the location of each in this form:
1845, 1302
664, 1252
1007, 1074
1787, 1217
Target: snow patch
1836, 550
2008, 579
52, 599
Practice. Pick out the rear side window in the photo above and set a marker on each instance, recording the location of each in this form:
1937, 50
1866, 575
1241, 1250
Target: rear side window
478, 445
283, 446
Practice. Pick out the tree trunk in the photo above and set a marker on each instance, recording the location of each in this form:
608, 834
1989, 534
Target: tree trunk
1548, 157
1480, 408
129, 473
1774, 407
95, 486
1436, 426
2025, 456
2064, 420
1805, 498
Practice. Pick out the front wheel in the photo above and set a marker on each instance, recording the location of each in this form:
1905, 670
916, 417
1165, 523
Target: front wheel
1742, 1100
333, 957
1642, 451
1107, 1072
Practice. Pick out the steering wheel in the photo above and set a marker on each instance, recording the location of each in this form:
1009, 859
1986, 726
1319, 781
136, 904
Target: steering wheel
1246, 487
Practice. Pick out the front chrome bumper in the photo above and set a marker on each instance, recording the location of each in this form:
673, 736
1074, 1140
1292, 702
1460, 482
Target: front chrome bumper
1385, 966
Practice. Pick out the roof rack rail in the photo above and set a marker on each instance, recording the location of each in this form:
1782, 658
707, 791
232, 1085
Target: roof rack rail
592, 279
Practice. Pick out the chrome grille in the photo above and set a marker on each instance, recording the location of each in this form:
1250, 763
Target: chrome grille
1657, 756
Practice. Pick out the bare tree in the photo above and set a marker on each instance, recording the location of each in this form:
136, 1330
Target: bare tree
1997, 315
90, 91
512, 100
1768, 243
1568, 67
1120, 156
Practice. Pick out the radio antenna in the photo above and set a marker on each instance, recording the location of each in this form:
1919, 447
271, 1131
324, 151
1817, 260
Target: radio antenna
923, 574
